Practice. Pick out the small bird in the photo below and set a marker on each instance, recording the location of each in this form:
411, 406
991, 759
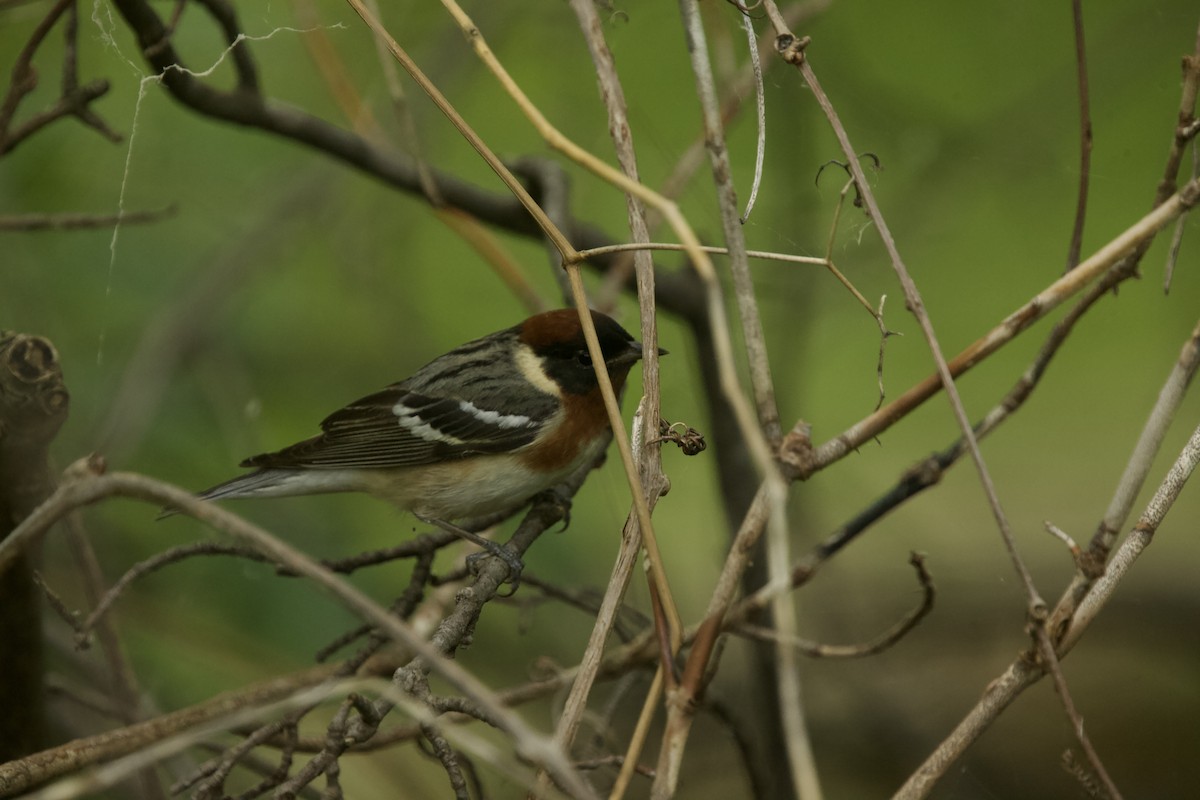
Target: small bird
479, 430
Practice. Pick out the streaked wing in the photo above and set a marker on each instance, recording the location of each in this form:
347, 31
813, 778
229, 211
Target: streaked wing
398, 427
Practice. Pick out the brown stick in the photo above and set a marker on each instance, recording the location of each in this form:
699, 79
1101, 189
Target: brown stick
33, 406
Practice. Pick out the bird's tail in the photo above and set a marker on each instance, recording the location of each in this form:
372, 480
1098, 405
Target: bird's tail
269, 483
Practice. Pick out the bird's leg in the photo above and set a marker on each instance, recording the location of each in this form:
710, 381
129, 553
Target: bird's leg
512, 561
559, 496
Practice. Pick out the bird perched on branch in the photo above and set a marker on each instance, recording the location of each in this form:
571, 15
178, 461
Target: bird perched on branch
479, 430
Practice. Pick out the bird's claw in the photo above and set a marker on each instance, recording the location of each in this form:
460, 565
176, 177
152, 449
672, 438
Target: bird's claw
511, 560
558, 496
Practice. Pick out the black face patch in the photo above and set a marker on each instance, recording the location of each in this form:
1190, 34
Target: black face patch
572, 370
569, 362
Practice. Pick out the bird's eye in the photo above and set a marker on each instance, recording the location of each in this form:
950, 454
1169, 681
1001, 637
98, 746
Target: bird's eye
585, 358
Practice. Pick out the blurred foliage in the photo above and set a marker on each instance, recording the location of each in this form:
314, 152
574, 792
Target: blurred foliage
333, 286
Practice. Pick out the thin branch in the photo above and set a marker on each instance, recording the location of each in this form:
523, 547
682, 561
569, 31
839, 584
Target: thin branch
1085, 135
1037, 611
792, 50
760, 117
714, 136
1177, 235
1185, 129
640, 504
92, 487
873, 647
592, 252
716, 317
680, 709
24, 79
74, 99
649, 460
20, 776
1132, 479
1137, 541
1126, 243
1068, 542
1025, 672
929, 472
560, 242
1067, 615
80, 221
1051, 662
156, 562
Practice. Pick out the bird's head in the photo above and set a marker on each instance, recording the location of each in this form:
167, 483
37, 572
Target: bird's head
556, 337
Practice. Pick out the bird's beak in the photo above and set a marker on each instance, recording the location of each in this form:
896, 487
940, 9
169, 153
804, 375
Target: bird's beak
631, 355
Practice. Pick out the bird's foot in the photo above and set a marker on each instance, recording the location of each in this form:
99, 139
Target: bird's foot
511, 560
558, 496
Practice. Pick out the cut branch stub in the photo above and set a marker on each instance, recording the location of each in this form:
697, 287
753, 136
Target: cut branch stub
33, 406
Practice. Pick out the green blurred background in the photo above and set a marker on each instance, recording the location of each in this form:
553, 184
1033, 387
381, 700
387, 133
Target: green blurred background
325, 285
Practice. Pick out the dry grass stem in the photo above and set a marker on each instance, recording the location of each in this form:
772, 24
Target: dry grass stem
729, 384
760, 108
556, 237
648, 412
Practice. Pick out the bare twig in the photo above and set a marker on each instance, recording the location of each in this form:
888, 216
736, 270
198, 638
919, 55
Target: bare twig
1024, 672
591, 252
1137, 541
1085, 135
792, 51
94, 487
1137, 468
877, 645
1177, 234
714, 136
22, 775
1015, 323
680, 709
929, 472
1065, 538
79, 221
74, 100
648, 459
760, 116
1067, 615
1051, 662
560, 242
156, 562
